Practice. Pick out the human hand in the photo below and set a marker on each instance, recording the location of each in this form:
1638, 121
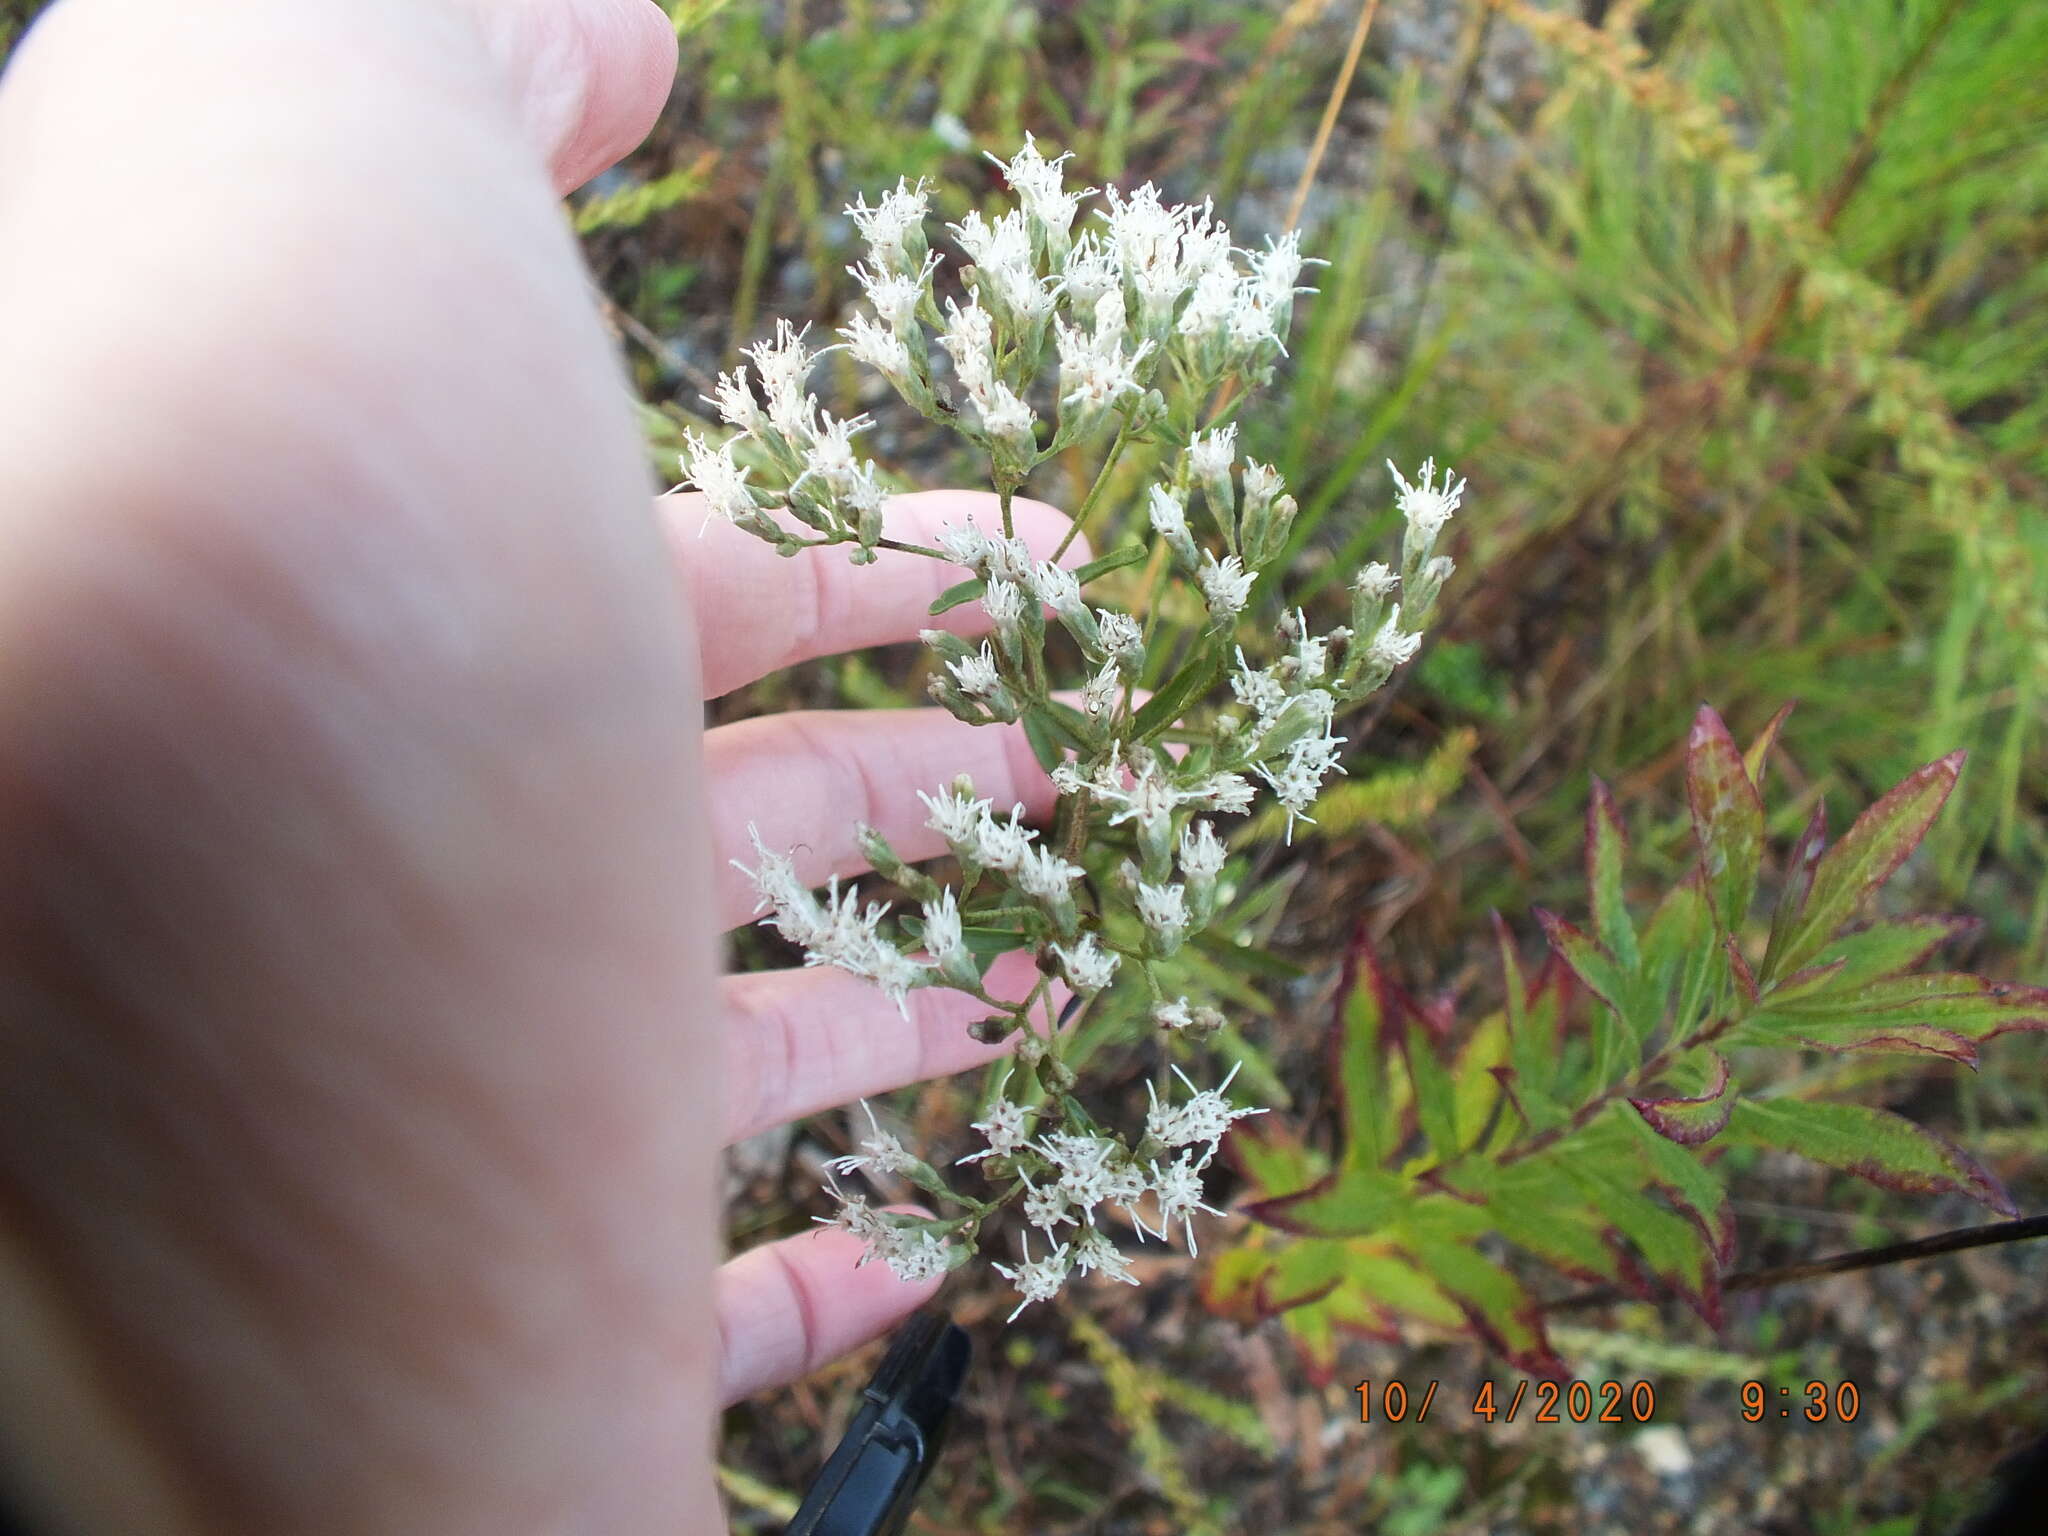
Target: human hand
364, 1058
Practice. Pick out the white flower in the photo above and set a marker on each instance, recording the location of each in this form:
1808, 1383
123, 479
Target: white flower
722, 479
1173, 1015
1164, 909
1212, 453
1123, 640
1262, 483
734, 398
1090, 274
1150, 799
830, 455
1089, 967
1230, 793
888, 227
1045, 1206
877, 346
896, 295
955, 816
1036, 1279
854, 1215
1043, 875
1426, 505
1099, 694
1095, 373
1067, 777
880, 1151
1056, 587
1178, 1187
793, 909
1003, 845
1169, 516
1094, 1249
913, 1254
1003, 602
784, 363
1041, 188
1203, 1118
1394, 645
987, 554
1226, 584
969, 338
1376, 580
1006, 417
942, 932
977, 674
1277, 270
1092, 1168
1257, 689
1209, 311
1003, 1128
1201, 854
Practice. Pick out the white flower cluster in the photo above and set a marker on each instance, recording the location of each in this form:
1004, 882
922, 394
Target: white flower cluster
1148, 323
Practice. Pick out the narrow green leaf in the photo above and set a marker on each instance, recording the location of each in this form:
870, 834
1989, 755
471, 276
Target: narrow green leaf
1873, 1144
1558, 1231
1679, 952
1940, 1014
1608, 983
1868, 854
1476, 1084
1195, 678
960, 592
1271, 1159
1727, 819
1363, 1030
1038, 730
1115, 560
1532, 1038
1347, 1202
1675, 1249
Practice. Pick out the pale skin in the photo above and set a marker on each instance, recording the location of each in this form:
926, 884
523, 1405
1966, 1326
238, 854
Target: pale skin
364, 1051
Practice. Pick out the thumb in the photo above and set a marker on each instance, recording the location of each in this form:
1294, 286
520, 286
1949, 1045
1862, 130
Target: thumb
589, 77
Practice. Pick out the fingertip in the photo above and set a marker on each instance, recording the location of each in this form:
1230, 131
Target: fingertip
632, 48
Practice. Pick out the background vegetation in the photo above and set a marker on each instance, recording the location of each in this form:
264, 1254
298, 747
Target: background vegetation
1735, 313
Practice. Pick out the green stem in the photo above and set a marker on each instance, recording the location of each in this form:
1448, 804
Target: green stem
1116, 451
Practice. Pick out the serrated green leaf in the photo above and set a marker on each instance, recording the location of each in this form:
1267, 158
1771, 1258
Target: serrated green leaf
1436, 1104
1800, 865
1873, 1144
1941, 1014
1532, 1038
1494, 1302
1689, 1182
1346, 1202
1674, 1249
1882, 838
1558, 1231
1475, 1083
960, 592
1727, 819
1272, 1160
1606, 847
1374, 1094
1679, 953
1880, 949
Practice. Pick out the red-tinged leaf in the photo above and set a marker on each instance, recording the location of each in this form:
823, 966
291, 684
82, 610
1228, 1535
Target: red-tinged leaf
1229, 1281
1588, 960
1873, 1144
1692, 1119
1394, 1283
1974, 1007
1727, 819
1758, 756
1679, 949
1867, 856
1561, 1235
1476, 1090
1496, 1306
1606, 848
1876, 950
1436, 1108
1315, 1340
1532, 1024
1799, 870
1861, 1035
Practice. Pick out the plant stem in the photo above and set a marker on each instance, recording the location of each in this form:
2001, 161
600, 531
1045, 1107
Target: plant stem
1116, 451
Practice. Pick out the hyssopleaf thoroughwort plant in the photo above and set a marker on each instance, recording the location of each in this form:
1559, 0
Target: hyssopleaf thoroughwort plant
1582, 1123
